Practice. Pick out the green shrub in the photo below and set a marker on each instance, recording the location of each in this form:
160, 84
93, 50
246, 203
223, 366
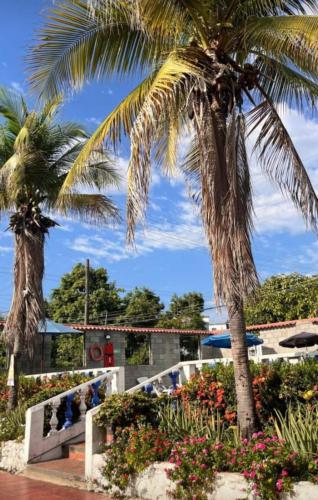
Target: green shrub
12, 424
124, 410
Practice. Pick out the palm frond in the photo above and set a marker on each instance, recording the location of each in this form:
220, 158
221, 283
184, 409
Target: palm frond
75, 46
261, 8
294, 38
13, 109
281, 161
166, 97
285, 85
92, 208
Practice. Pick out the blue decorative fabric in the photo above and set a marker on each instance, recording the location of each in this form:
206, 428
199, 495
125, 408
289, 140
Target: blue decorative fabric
95, 398
174, 377
68, 412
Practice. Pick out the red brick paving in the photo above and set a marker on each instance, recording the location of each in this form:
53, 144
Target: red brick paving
22, 488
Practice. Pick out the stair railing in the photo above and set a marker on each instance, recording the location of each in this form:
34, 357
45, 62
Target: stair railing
50, 425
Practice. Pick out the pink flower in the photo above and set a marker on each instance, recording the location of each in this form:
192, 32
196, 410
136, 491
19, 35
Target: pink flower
254, 435
184, 452
205, 451
279, 485
252, 474
284, 473
260, 446
178, 463
260, 434
233, 460
193, 478
171, 460
218, 446
246, 474
245, 441
203, 466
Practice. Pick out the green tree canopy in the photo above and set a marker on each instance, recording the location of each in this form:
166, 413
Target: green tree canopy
142, 308
283, 297
67, 301
184, 312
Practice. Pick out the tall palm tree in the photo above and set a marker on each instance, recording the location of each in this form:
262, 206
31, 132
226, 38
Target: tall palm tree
36, 156
220, 68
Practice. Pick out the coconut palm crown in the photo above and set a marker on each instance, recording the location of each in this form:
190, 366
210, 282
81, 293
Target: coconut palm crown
219, 68
36, 156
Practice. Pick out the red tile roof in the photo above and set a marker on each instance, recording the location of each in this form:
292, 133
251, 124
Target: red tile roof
132, 329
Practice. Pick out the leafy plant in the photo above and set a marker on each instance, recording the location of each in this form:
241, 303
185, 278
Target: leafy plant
125, 410
12, 424
179, 420
298, 428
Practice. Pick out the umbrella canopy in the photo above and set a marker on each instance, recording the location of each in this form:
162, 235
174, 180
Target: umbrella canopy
223, 341
303, 339
49, 327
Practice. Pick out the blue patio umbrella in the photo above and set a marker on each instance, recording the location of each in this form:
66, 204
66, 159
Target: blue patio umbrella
223, 341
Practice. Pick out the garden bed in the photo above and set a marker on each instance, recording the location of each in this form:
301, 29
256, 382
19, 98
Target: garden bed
195, 432
153, 484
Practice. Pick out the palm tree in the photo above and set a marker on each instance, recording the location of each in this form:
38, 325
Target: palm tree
220, 68
36, 155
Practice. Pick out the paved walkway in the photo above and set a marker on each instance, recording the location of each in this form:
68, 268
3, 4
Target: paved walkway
22, 488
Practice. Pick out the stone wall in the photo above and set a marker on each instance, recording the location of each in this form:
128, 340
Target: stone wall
153, 484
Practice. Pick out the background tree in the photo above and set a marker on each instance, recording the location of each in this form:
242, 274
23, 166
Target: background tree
66, 304
283, 297
36, 157
184, 312
142, 308
205, 63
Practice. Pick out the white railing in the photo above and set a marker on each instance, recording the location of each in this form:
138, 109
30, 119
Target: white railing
41, 445
83, 371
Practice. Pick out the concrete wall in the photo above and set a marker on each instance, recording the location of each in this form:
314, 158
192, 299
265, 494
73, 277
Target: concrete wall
273, 336
98, 337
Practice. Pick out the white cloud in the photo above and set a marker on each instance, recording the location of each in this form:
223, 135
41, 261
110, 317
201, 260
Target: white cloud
4, 249
94, 120
159, 236
17, 87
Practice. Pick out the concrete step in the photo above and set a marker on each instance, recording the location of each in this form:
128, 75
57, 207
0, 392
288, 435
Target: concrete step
64, 471
76, 451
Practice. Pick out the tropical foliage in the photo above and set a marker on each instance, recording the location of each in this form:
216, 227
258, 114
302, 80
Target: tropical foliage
219, 70
195, 431
283, 298
36, 156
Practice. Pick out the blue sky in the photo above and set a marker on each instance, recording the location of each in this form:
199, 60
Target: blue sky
171, 252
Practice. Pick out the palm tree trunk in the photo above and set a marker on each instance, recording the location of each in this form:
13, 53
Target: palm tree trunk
16, 320
243, 382
27, 308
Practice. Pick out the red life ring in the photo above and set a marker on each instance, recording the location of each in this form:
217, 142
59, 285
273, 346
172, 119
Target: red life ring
93, 354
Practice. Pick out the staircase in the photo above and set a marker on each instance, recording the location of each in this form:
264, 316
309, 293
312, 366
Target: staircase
66, 471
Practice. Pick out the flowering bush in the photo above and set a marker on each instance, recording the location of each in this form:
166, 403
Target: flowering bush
133, 450
274, 388
266, 462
